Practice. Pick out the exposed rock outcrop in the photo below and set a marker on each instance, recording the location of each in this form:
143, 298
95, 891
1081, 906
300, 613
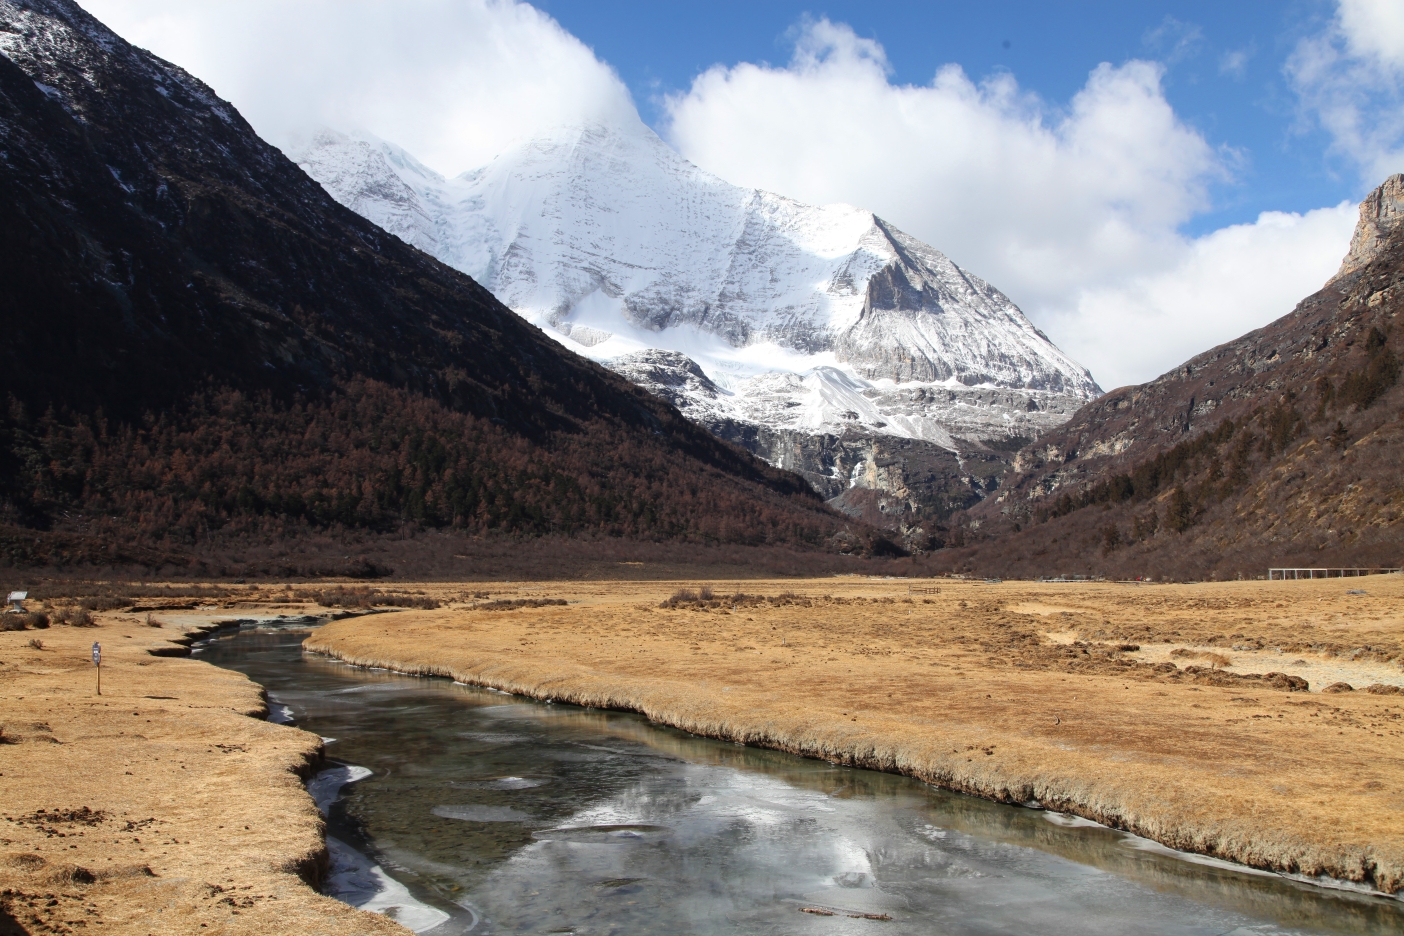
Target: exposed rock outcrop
1381, 213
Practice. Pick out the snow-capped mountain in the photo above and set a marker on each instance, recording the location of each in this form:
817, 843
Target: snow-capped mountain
746, 308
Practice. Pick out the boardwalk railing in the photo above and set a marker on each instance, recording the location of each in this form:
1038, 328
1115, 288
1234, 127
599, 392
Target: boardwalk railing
1282, 574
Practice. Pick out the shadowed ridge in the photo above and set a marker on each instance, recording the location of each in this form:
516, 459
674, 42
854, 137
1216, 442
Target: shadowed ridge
174, 282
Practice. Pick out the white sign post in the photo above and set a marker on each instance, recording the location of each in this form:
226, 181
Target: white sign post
97, 662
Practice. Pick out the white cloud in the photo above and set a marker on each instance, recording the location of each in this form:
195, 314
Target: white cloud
452, 81
1218, 287
1348, 82
1235, 61
1036, 201
1174, 40
1075, 212
1375, 29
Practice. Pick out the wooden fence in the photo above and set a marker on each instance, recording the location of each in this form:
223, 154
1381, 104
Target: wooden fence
1284, 574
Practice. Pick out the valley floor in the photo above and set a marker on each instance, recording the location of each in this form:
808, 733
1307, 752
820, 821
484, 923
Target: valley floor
168, 805
1178, 712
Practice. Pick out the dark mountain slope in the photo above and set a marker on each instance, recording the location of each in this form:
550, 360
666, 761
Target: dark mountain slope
1281, 448
198, 339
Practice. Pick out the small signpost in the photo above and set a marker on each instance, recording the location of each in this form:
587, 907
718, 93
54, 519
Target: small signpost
97, 662
16, 600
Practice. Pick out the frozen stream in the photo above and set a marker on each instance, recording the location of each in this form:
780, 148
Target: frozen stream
486, 813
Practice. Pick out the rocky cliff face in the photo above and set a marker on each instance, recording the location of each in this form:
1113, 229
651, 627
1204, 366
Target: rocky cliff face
812, 425
1381, 214
782, 320
1280, 448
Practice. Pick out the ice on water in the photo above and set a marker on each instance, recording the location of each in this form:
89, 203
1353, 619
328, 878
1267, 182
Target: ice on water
362, 883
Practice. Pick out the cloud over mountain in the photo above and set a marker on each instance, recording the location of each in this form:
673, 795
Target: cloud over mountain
1076, 209
453, 81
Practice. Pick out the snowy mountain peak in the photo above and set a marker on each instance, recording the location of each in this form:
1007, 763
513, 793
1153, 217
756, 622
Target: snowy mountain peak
611, 239
743, 307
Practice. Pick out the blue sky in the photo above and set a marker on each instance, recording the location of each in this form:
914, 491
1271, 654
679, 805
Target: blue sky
1146, 180
1224, 67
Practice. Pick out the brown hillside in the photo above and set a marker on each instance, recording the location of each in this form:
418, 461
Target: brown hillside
202, 348
1281, 448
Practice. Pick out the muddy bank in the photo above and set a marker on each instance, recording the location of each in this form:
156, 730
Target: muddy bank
963, 691
164, 805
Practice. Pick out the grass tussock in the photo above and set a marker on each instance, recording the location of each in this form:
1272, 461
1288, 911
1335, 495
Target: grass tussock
1215, 660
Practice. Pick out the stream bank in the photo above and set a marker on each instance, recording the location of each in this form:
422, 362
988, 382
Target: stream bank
513, 816
166, 805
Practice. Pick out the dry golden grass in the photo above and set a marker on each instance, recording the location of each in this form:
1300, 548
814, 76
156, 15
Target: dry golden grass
164, 806
1064, 694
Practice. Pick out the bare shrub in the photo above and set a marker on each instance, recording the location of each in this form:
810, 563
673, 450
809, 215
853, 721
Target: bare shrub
74, 617
36, 644
680, 597
363, 597
12, 622
104, 603
108, 596
512, 604
705, 597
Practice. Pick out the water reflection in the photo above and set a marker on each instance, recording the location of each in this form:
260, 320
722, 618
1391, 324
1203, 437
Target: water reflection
519, 817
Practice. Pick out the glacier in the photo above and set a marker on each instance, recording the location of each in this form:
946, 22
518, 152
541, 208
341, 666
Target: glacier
821, 337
